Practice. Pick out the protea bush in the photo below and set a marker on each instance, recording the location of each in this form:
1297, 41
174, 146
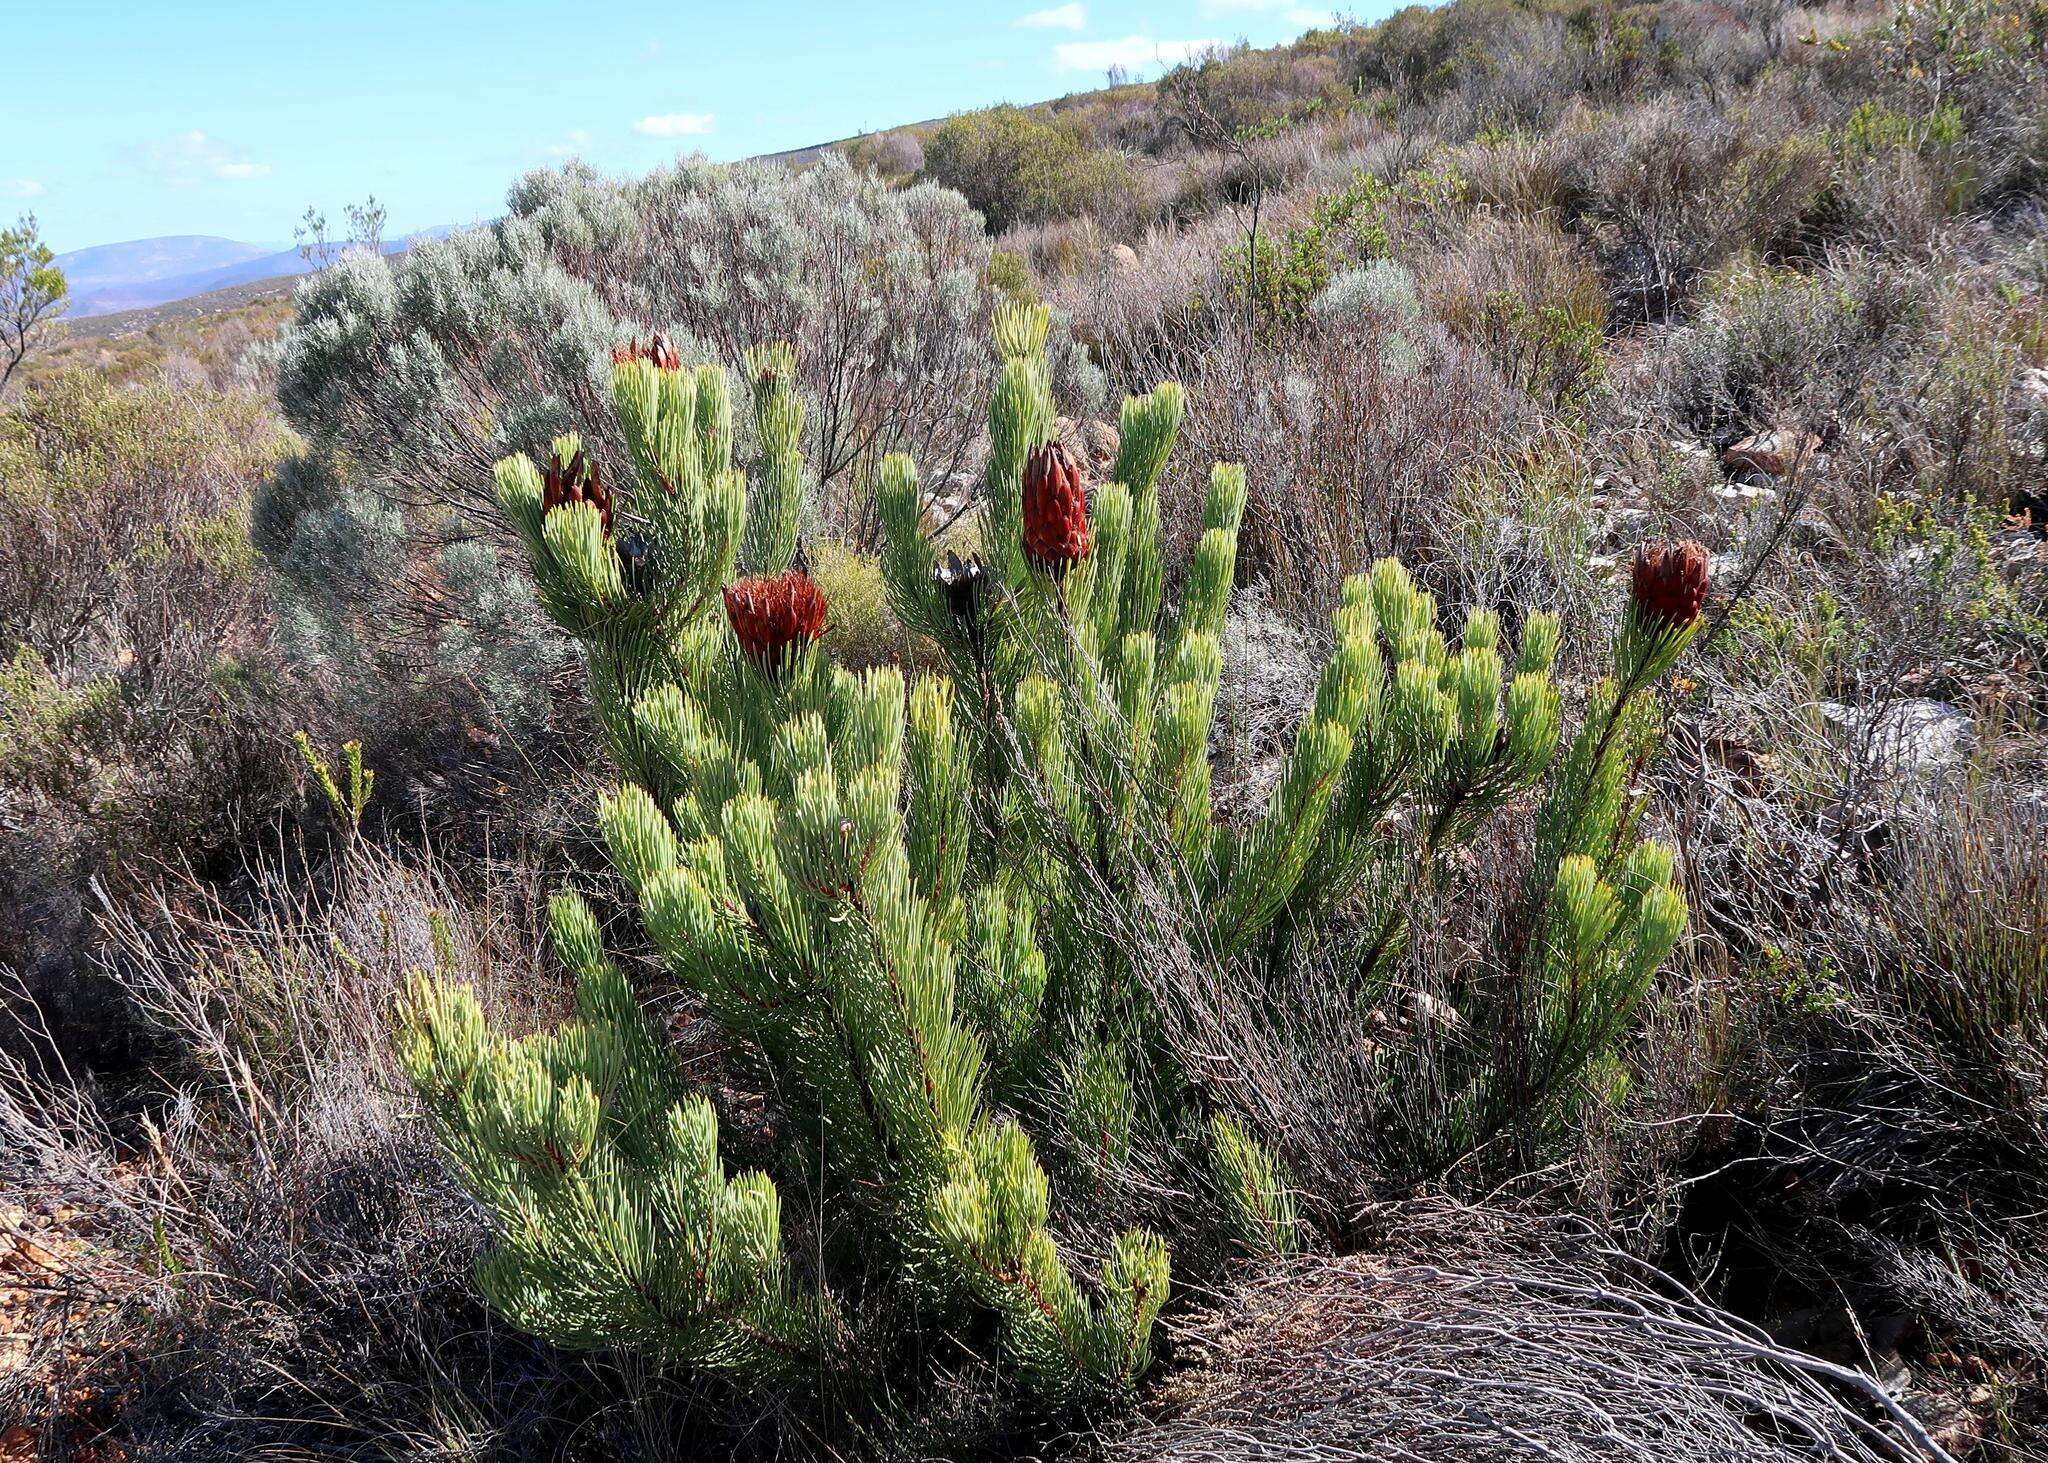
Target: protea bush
929, 909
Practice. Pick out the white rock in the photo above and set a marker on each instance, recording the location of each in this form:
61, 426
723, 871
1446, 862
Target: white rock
1744, 493
1911, 736
1425, 1009
1773, 453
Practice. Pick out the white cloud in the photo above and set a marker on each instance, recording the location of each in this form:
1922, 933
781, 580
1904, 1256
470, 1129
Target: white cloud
1059, 17
21, 188
194, 157
1132, 53
570, 146
674, 124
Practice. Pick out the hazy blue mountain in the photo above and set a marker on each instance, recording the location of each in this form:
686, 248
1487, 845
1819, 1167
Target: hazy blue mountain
145, 272
145, 259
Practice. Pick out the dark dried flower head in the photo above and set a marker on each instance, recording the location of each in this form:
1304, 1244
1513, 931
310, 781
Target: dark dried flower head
657, 350
965, 585
1055, 510
772, 613
636, 563
575, 481
1669, 582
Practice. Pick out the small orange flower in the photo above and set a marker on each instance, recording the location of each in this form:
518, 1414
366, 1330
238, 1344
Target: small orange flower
772, 613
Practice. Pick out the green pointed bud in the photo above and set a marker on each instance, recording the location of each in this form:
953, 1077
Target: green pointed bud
1224, 507
1144, 579
1003, 980
1421, 717
1147, 428
519, 494
1650, 866
1258, 1206
1585, 910
1397, 603
713, 422
1346, 687
1136, 669
682, 922
573, 929
1210, 578
801, 746
1094, 590
1535, 723
583, 557
1472, 678
870, 730
637, 834
1021, 330
1541, 634
695, 1173
775, 497
1659, 923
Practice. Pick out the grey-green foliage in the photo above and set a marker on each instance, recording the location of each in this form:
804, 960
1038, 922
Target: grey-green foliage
441, 362
408, 378
349, 567
1378, 290
1772, 347
883, 292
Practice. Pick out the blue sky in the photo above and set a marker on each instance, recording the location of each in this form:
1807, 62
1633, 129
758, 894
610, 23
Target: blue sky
231, 116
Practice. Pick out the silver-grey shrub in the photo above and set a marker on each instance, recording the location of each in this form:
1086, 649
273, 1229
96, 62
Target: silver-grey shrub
1380, 289
882, 291
423, 372
408, 378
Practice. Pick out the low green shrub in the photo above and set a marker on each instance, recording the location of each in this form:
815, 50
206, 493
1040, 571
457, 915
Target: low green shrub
1277, 278
1018, 166
144, 702
865, 631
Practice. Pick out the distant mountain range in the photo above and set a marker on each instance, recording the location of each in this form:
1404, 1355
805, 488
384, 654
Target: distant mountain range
145, 272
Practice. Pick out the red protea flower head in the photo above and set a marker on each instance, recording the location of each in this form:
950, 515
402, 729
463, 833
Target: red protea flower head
575, 481
657, 350
1055, 510
770, 613
1669, 583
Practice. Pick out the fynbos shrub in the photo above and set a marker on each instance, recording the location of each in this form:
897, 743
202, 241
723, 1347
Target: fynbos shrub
932, 909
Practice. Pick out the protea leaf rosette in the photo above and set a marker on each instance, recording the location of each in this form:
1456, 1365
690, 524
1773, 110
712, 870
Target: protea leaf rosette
775, 617
1055, 506
575, 481
1667, 587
